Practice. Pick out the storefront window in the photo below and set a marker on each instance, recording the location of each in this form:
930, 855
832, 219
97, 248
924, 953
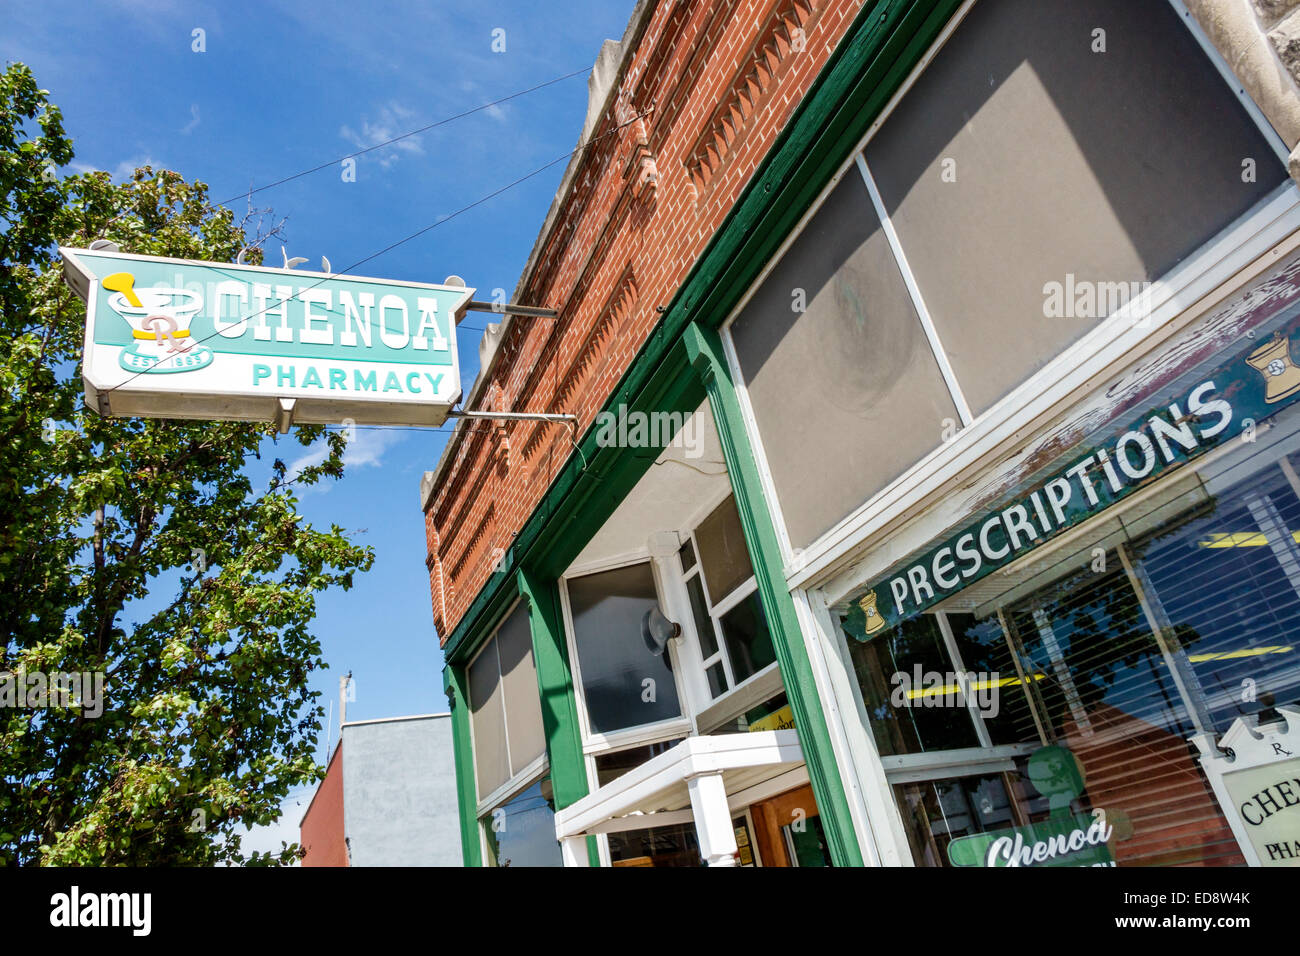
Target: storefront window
505, 709
1051, 708
625, 684
521, 832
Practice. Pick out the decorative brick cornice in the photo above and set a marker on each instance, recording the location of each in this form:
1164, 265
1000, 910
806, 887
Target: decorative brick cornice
783, 36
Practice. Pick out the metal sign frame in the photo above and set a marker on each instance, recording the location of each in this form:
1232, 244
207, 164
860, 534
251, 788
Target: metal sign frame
116, 391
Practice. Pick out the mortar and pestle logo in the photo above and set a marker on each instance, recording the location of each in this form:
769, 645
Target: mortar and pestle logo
160, 327
1273, 361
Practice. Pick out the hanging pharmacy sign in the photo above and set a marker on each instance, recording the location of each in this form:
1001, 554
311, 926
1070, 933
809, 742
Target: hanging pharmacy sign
1216, 402
172, 338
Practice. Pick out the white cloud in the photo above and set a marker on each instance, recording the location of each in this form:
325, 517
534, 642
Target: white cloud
194, 120
392, 120
366, 448
267, 839
122, 171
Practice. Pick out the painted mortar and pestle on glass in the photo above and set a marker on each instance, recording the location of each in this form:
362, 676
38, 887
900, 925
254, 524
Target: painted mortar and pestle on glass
160, 326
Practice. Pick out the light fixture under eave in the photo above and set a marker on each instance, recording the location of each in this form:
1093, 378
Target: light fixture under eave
657, 631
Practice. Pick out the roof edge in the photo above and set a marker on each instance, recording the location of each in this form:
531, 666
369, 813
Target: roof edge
606, 72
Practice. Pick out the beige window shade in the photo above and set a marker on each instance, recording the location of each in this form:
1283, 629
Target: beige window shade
846, 393
1021, 157
505, 709
519, 679
723, 552
488, 719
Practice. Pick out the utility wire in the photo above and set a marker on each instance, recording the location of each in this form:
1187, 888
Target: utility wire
395, 139
415, 235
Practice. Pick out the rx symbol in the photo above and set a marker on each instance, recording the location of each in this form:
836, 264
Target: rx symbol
163, 328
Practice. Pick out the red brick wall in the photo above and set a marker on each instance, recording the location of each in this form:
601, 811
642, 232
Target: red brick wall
717, 80
321, 833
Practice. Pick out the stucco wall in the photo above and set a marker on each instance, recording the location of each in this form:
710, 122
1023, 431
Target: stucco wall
399, 782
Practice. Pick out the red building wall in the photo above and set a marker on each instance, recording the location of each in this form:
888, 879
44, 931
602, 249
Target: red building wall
716, 80
321, 832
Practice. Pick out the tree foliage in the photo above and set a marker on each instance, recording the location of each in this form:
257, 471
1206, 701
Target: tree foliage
142, 550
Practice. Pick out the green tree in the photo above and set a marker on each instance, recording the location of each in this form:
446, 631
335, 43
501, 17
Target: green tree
208, 719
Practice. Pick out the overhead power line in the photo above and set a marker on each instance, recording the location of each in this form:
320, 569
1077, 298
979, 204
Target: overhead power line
407, 135
419, 232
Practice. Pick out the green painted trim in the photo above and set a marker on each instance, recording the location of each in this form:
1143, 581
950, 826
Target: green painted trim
454, 683
705, 349
568, 767
882, 46
886, 40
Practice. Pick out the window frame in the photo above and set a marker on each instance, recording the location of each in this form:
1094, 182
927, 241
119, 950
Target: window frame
705, 701
593, 742
1115, 338
535, 771
509, 784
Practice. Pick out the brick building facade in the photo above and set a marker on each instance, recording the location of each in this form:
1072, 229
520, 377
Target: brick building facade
681, 114
968, 317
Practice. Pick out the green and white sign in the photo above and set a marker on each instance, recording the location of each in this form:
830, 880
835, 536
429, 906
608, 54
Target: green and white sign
173, 338
1213, 403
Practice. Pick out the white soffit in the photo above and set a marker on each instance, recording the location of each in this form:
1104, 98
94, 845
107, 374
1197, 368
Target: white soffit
684, 478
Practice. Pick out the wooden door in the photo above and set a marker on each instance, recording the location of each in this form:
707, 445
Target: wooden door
781, 811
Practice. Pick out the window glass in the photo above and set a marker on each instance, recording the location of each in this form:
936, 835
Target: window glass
623, 682
836, 312
903, 674
487, 720
522, 701
717, 679
723, 554
611, 766
1136, 161
505, 707
703, 623
687, 555
1226, 587
749, 645
1001, 693
675, 845
522, 831
806, 844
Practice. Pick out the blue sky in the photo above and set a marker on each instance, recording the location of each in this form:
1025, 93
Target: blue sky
285, 85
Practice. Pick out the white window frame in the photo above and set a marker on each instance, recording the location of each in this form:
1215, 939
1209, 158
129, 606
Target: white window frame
836, 564
1115, 338
593, 742
704, 699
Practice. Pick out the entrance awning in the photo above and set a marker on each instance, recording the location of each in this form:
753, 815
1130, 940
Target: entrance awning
753, 766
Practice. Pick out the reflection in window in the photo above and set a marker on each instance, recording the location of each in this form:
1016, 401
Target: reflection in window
892, 671
675, 845
521, 832
749, 645
624, 683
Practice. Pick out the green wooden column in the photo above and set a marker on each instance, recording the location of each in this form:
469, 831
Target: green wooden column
705, 351
455, 683
555, 686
